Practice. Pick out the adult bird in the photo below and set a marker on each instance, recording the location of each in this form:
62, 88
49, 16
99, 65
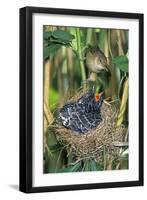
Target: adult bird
82, 115
96, 61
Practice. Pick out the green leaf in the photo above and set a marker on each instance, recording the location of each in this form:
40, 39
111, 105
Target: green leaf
56, 147
47, 35
50, 50
121, 62
94, 166
74, 168
86, 163
91, 165
46, 162
53, 98
63, 35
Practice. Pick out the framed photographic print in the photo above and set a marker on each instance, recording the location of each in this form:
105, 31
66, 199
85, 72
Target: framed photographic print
81, 99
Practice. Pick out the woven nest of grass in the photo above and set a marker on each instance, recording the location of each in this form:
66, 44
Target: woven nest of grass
91, 145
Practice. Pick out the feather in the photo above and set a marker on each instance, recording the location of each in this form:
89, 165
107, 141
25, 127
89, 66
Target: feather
82, 115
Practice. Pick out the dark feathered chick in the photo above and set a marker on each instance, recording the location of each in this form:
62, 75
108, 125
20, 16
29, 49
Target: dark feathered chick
82, 115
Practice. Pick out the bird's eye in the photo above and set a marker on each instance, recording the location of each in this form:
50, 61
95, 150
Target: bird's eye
100, 60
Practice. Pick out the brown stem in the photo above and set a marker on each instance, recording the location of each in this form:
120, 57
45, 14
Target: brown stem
46, 82
115, 78
48, 114
45, 125
47, 111
120, 49
70, 67
124, 100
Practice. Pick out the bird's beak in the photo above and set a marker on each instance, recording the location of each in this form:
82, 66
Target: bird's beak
98, 96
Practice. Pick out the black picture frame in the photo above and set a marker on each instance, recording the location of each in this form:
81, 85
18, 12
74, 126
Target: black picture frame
26, 99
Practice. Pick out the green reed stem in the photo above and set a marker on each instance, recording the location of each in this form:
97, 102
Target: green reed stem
79, 49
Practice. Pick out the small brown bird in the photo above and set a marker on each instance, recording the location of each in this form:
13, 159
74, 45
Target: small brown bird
96, 61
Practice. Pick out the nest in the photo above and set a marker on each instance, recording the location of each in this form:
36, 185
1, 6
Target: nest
91, 145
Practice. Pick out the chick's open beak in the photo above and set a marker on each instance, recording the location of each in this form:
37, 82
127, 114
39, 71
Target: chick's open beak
98, 95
